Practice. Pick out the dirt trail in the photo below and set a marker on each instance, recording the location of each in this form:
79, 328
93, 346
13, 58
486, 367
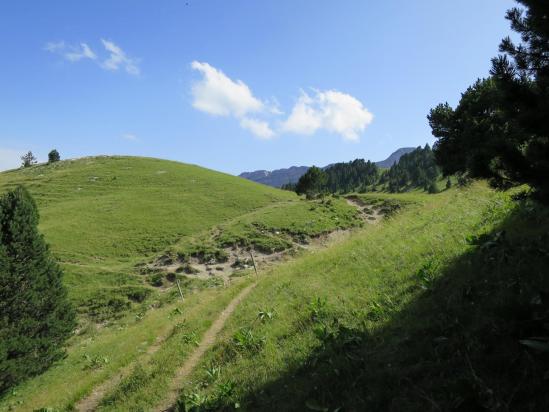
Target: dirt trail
91, 402
207, 342
369, 213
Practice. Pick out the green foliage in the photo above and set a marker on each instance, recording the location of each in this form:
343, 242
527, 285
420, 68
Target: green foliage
54, 156
36, 317
477, 137
95, 362
266, 315
356, 175
318, 309
432, 188
415, 169
28, 159
245, 340
499, 129
312, 183
426, 274
156, 279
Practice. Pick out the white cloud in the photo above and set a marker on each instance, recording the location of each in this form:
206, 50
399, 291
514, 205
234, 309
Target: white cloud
71, 53
333, 111
330, 110
54, 46
130, 136
219, 95
304, 119
118, 58
84, 53
10, 159
259, 128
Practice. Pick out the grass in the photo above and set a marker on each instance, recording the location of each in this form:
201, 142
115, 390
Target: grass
95, 356
102, 215
273, 228
442, 307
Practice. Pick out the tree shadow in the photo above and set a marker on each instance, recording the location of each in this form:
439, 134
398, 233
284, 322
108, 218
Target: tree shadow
464, 343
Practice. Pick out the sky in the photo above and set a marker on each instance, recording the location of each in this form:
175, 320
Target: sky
236, 85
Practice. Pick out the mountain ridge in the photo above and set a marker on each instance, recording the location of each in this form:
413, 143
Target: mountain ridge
279, 177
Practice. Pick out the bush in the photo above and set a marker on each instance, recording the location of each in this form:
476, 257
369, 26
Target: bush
432, 188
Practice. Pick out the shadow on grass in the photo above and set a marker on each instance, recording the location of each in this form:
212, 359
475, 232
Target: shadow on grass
472, 339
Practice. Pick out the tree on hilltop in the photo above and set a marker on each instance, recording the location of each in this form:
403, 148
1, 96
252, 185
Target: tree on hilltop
54, 156
28, 159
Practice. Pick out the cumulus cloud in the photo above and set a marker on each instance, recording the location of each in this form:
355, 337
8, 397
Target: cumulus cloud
330, 110
219, 95
118, 58
259, 128
71, 53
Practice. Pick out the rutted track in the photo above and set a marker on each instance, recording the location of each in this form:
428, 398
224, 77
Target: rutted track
206, 343
93, 400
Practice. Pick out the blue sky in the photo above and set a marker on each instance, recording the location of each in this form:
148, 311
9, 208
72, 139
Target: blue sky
236, 85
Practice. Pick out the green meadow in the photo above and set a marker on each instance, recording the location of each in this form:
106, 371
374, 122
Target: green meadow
104, 215
426, 309
412, 314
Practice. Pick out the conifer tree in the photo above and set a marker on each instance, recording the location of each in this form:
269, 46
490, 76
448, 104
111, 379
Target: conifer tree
499, 130
313, 182
35, 315
53, 156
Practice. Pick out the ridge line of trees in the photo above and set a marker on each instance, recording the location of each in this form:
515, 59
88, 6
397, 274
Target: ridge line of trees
417, 169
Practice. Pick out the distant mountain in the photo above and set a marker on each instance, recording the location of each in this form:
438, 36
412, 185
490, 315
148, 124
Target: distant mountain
276, 178
279, 177
395, 157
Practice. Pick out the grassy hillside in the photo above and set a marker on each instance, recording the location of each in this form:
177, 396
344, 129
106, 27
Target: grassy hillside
107, 217
441, 307
102, 215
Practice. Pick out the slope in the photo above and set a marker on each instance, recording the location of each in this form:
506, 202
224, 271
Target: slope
443, 307
102, 215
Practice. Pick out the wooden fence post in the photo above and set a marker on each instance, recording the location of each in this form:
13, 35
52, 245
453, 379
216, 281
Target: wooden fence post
179, 287
253, 261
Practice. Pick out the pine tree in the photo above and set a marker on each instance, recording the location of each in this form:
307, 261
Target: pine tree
313, 182
499, 130
448, 183
35, 315
53, 156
